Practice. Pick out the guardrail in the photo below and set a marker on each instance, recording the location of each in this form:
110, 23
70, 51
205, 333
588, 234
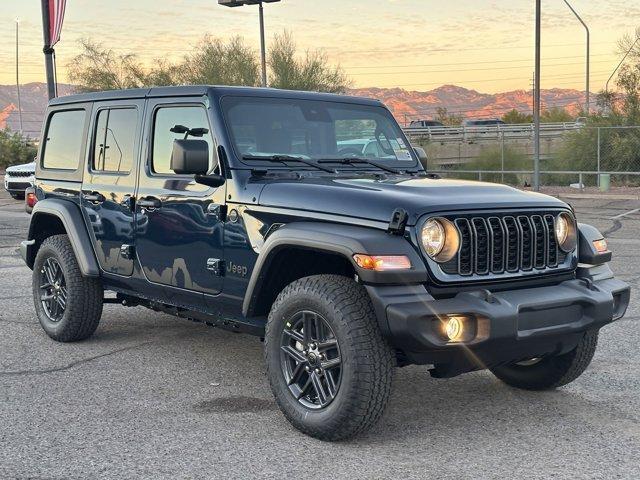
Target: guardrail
523, 130
578, 174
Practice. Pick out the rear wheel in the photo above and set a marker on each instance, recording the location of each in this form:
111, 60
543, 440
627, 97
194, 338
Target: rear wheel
550, 372
67, 304
328, 365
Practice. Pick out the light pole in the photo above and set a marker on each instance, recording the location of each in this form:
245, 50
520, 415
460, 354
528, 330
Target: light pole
588, 46
18, 76
606, 86
263, 54
536, 103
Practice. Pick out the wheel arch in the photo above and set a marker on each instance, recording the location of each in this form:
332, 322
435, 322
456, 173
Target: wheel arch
56, 217
313, 248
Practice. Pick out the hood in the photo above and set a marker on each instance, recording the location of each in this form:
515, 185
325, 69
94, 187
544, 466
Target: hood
25, 167
372, 199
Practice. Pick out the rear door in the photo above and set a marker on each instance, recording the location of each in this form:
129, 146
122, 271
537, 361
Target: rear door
179, 234
109, 182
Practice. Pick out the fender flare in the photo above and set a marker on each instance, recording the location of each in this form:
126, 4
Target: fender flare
343, 240
71, 217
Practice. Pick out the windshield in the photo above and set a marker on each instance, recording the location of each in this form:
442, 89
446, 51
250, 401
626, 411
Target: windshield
315, 130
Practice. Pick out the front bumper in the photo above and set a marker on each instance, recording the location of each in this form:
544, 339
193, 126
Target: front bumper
17, 184
510, 325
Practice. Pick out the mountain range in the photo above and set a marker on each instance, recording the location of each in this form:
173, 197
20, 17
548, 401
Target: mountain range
410, 105
405, 104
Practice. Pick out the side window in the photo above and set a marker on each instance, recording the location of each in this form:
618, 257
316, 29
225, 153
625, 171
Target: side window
114, 144
63, 140
166, 118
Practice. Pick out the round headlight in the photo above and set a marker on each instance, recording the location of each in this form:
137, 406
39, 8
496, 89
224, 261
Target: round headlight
440, 239
433, 237
566, 232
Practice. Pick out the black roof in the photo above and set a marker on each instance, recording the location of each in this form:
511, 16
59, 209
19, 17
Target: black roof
201, 90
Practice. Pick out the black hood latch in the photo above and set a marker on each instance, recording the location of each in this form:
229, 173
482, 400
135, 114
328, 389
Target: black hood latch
398, 222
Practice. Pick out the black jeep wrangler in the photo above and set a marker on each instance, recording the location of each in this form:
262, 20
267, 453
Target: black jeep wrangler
308, 220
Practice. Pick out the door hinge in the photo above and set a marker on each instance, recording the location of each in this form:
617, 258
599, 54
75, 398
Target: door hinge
127, 251
398, 222
216, 266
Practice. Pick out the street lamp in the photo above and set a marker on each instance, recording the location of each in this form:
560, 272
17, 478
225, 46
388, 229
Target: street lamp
263, 55
18, 75
588, 45
536, 99
606, 86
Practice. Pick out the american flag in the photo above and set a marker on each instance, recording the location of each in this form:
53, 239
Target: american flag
56, 16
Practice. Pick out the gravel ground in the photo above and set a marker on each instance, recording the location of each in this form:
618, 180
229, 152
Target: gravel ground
150, 396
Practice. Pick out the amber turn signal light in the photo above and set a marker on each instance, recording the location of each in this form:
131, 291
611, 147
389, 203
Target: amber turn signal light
600, 245
382, 263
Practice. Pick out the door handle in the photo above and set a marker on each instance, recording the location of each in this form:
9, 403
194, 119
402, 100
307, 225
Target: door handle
94, 197
149, 202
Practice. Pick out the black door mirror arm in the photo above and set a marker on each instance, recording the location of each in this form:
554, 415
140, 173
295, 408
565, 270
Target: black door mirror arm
214, 181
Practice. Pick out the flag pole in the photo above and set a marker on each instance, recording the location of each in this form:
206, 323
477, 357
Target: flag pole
48, 51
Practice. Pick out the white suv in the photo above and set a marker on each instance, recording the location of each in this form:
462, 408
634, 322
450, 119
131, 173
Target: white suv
18, 178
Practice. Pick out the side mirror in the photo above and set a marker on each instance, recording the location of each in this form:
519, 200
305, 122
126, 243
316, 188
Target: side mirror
214, 181
422, 155
190, 157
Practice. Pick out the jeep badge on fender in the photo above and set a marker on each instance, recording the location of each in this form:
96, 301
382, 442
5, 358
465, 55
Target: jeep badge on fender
339, 249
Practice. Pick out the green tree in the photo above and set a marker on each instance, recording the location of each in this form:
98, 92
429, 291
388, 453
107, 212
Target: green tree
492, 159
215, 62
450, 119
15, 149
310, 71
212, 62
514, 116
556, 115
97, 69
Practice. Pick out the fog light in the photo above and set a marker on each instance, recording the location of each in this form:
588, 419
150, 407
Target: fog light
454, 328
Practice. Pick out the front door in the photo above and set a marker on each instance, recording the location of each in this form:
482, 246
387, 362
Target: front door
109, 182
179, 232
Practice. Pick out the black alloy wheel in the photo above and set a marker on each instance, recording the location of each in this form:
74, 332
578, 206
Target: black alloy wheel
53, 290
310, 359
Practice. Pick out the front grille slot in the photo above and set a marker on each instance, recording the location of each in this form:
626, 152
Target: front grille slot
467, 246
19, 174
505, 245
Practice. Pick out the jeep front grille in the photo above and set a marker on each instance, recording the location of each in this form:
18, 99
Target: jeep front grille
19, 174
504, 244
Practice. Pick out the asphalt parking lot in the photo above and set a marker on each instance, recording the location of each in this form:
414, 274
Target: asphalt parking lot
151, 396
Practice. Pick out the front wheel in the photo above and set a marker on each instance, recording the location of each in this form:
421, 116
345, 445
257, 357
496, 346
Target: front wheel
67, 304
329, 367
550, 372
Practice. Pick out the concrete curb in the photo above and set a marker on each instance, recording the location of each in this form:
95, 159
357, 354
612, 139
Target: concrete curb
597, 196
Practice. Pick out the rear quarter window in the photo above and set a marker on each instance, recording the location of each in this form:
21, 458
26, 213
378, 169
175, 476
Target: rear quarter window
63, 140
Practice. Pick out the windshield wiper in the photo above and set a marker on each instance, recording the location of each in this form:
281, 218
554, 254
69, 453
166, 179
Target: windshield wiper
288, 158
352, 160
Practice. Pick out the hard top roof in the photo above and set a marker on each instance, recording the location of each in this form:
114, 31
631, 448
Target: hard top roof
201, 90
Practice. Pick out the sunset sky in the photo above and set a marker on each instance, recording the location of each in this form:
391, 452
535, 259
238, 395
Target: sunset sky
486, 45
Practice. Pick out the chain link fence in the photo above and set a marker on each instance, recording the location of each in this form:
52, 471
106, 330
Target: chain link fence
584, 156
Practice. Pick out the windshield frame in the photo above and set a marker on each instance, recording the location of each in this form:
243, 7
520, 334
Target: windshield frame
405, 165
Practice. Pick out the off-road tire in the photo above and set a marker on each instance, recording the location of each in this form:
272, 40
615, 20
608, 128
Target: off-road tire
368, 361
551, 372
84, 294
